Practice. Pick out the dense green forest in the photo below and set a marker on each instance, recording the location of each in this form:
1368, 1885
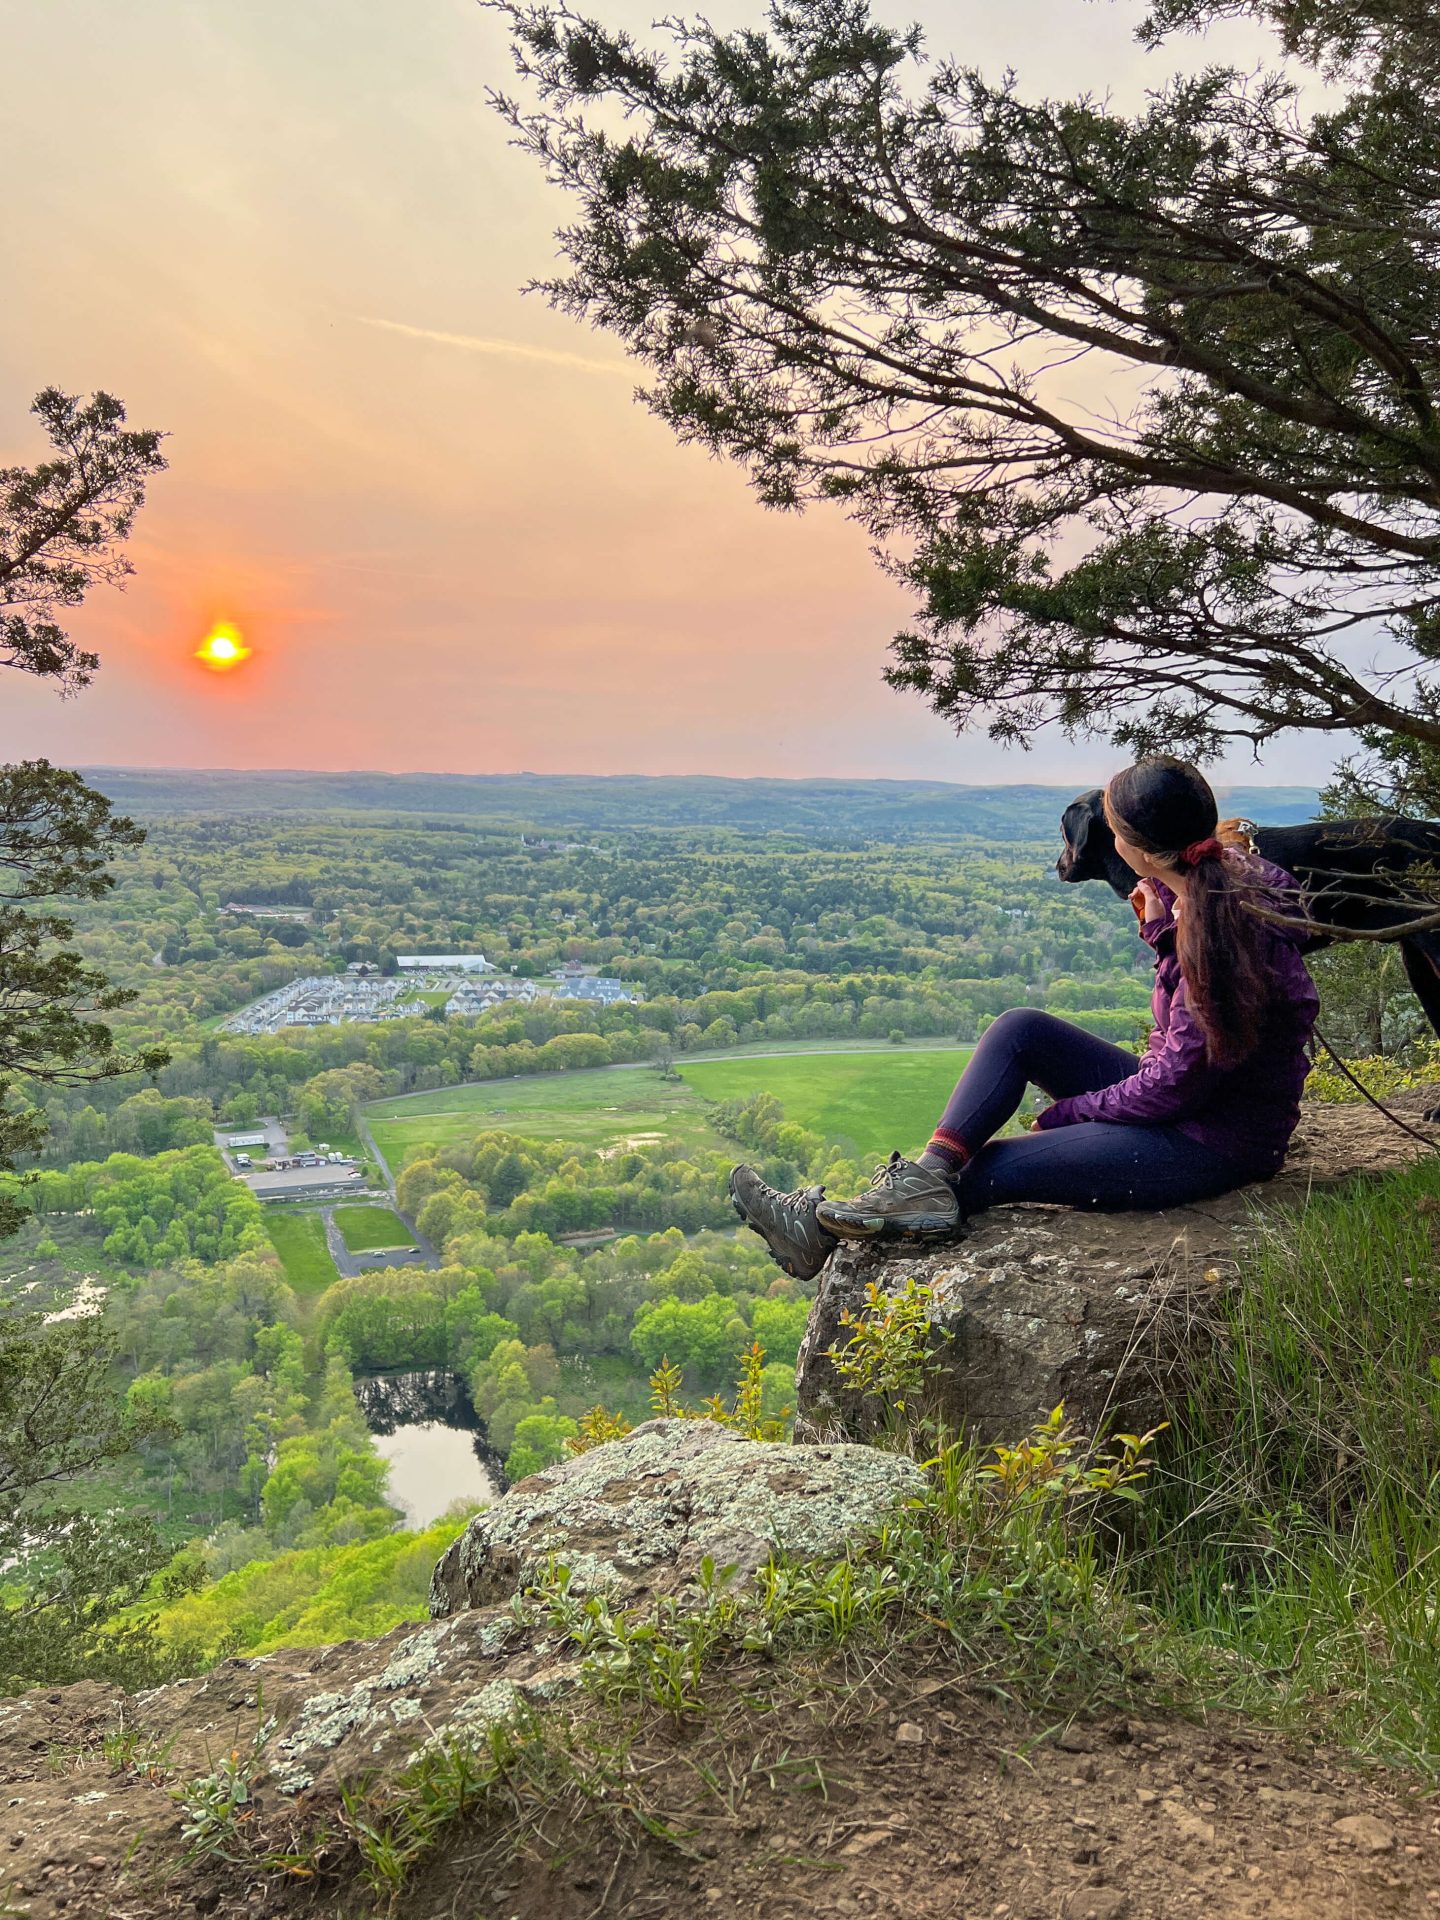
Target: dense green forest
254, 1456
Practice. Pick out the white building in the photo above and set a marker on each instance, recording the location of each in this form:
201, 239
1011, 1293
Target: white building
444, 962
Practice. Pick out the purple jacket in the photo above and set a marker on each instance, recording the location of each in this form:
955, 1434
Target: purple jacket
1245, 1113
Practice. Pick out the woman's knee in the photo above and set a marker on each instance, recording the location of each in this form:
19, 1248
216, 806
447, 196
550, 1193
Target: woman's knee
1019, 1026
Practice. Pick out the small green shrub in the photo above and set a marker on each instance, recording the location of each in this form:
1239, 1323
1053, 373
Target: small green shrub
1382, 1075
891, 1353
217, 1805
746, 1414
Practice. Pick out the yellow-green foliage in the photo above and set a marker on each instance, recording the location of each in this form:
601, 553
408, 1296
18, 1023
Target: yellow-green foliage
890, 1352
309, 1598
1382, 1075
758, 1410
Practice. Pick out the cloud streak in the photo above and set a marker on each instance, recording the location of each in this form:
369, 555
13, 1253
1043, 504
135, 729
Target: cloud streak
500, 349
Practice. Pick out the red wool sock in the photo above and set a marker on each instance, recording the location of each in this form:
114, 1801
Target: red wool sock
950, 1148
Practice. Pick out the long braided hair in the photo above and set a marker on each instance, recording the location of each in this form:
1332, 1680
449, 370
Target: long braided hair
1166, 807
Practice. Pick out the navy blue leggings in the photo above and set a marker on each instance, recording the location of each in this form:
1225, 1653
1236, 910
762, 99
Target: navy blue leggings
1092, 1164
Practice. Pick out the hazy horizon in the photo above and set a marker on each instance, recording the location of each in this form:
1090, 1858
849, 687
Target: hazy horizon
634, 773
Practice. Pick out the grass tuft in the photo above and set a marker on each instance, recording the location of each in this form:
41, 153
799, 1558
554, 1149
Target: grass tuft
1291, 1542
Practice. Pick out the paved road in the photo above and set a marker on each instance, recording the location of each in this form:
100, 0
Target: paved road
367, 1139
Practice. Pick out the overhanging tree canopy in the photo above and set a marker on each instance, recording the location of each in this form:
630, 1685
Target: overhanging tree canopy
62, 525
1142, 408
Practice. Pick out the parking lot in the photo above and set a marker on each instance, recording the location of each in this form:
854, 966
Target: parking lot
281, 1183
300, 1183
275, 1147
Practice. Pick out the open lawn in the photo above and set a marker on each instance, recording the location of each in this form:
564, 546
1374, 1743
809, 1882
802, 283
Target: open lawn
870, 1102
597, 1107
336, 1140
299, 1239
368, 1229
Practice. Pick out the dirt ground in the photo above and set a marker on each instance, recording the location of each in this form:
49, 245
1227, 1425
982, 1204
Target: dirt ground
927, 1803
904, 1794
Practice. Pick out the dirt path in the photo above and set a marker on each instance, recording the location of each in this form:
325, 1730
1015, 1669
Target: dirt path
867, 1795
940, 1808
367, 1140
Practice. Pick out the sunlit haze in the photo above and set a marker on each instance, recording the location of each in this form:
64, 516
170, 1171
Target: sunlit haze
424, 511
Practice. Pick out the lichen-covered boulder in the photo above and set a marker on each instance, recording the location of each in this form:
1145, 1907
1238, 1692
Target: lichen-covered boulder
1105, 1312
642, 1514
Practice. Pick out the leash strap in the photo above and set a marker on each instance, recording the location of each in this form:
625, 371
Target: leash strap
1426, 1140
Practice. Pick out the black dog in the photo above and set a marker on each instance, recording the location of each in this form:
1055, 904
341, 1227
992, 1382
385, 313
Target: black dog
1353, 874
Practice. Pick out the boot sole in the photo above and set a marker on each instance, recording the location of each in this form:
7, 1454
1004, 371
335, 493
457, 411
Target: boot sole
923, 1226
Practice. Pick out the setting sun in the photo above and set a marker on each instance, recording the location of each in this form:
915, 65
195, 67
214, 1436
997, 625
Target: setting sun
222, 648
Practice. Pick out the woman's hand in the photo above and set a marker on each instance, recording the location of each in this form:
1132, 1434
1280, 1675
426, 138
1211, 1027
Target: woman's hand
1146, 903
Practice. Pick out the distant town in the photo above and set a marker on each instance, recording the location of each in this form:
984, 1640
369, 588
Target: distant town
450, 983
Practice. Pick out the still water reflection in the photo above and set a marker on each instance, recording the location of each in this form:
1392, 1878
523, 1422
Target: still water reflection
426, 1428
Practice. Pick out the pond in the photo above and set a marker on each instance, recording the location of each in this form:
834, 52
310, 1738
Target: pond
434, 1441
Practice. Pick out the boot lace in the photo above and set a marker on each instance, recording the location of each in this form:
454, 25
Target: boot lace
889, 1175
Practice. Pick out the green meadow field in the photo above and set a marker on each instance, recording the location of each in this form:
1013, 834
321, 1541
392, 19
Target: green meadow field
299, 1239
597, 1107
871, 1100
372, 1229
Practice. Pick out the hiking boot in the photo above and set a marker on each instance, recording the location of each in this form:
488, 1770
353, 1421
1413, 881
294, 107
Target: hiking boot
904, 1197
784, 1221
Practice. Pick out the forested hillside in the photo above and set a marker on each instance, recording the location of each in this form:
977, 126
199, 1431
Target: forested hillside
829, 809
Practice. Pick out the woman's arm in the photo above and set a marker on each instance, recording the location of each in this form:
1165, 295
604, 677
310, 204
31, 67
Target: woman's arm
1168, 1084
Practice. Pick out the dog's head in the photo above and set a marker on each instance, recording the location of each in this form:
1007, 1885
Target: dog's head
1089, 850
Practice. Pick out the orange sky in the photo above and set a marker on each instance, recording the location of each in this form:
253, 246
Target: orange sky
293, 236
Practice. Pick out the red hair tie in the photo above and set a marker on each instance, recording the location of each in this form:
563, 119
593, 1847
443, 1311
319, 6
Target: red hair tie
1199, 850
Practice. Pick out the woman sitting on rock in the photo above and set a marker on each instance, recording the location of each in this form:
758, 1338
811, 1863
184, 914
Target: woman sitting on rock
1210, 1104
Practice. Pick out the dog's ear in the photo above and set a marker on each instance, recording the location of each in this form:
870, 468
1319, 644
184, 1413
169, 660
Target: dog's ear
1075, 827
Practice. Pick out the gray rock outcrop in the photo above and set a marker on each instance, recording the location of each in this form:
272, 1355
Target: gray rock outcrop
642, 1515
1038, 1305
